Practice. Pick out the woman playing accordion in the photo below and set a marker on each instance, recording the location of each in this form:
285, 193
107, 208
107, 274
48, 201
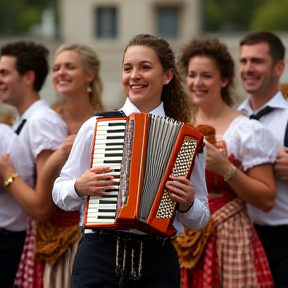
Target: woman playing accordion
131, 255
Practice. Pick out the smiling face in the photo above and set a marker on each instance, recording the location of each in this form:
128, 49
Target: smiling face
143, 77
12, 83
256, 68
69, 75
204, 80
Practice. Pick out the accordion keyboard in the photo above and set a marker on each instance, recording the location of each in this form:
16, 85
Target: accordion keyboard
108, 152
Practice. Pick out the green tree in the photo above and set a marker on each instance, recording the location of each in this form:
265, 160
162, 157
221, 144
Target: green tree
245, 15
225, 15
271, 16
18, 16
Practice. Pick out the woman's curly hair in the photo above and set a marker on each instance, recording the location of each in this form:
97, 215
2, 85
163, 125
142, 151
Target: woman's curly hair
214, 49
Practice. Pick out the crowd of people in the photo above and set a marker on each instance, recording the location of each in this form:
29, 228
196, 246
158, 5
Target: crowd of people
234, 203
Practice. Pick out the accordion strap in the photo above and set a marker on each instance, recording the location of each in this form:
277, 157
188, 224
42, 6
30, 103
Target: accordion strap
110, 114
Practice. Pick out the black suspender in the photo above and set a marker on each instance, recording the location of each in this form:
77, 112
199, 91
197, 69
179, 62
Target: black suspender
286, 137
19, 128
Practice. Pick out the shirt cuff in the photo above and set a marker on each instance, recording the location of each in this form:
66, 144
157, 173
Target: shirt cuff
72, 201
193, 218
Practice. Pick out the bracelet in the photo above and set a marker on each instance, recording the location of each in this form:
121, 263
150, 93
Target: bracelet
10, 179
230, 174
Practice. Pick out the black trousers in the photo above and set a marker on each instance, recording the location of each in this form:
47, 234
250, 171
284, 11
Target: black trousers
95, 262
11, 246
275, 242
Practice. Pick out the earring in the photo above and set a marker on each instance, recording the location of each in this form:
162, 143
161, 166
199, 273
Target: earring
89, 89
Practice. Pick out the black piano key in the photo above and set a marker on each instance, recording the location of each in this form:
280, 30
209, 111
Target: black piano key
112, 161
113, 155
115, 131
110, 149
116, 124
106, 217
115, 143
106, 210
103, 201
114, 137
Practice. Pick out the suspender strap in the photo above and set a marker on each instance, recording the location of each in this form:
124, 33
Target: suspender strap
19, 128
286, 136
110, 114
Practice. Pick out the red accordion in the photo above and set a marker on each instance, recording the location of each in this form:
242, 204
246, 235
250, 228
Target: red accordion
142, 151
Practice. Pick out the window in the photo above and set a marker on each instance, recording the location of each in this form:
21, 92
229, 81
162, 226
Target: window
106, 22
168, 22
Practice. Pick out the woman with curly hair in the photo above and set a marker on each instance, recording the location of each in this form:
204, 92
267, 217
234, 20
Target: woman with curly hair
238, 170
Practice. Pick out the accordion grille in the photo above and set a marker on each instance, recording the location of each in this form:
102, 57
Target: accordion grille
183, 162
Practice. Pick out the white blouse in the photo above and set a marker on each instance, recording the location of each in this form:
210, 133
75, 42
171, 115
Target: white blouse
250, 142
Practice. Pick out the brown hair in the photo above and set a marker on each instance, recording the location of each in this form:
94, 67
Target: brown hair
217, 51
29, 57
276, 47
177, 103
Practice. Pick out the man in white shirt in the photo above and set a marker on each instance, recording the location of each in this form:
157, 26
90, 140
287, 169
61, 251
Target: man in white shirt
23, 70
13, 218
261, 66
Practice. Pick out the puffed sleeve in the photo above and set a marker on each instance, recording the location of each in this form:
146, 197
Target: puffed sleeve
253, 144
46, 133
63, 193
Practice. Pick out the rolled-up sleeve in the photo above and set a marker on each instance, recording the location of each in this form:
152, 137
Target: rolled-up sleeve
63, 193
198, 215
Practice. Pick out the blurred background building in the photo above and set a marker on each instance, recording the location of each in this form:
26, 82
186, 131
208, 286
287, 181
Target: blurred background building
108, 25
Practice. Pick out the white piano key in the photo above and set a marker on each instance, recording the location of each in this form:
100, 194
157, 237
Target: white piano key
109, 141
103, 146
116, 132
119, 128
93, 206
106, 135
107, 152
91, 220
98, 163
111, 158
97, 199
106, 123
96, 213
111, 129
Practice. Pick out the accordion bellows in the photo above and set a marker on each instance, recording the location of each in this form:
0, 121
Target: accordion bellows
142, 151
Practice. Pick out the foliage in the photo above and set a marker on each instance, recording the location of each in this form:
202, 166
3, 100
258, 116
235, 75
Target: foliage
271, 16
231, 15
18, 16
